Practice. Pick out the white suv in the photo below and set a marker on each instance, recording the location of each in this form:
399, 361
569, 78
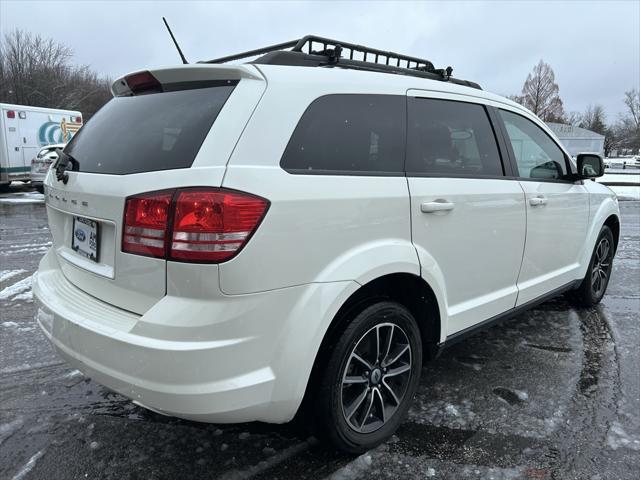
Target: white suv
229, 240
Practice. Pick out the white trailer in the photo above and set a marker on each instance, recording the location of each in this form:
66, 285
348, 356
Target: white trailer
24, 130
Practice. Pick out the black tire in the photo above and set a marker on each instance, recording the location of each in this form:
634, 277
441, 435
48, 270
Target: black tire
40, 188
587, 295
377, 323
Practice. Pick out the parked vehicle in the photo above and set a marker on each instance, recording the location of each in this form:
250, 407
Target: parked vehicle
632, 162
41, 163
302, 232
24, 130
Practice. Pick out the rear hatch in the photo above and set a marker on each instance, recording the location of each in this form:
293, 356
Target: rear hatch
164, 129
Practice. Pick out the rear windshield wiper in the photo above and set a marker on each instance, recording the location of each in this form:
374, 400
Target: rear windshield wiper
63, 163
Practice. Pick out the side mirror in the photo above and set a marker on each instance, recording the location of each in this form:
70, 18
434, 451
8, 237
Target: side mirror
590, 165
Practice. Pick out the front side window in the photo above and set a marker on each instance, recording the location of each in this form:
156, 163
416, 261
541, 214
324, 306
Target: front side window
449, 138
536, 154
349, 133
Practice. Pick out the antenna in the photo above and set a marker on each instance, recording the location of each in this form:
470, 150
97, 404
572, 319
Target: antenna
184, 60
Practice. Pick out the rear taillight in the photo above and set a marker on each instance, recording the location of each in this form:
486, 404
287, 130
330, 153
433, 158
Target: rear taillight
146, 219
208, 225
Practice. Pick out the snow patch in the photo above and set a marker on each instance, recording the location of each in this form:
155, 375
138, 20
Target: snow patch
617, 438
354, 469
28, 466
9, 324
452, 410
17, 288
8, 429
7, 274
31, 197
26, 296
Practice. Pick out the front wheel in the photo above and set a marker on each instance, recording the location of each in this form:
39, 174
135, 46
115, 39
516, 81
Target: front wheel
596, 280
372, 373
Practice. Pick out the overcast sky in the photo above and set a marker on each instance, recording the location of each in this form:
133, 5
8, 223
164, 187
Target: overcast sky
593, 46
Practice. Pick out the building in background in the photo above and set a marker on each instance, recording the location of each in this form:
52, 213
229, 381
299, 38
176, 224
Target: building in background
578, 140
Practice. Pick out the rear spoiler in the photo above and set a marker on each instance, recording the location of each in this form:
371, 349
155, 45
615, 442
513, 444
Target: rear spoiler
181, 78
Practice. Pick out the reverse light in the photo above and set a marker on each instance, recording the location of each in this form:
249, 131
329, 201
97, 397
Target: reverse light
207, 225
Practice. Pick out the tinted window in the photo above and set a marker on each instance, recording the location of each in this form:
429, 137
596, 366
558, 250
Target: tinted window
350, 133
536, 154
450, 139
158, 131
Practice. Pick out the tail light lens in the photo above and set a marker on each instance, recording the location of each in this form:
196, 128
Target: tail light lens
146, 221
209, 225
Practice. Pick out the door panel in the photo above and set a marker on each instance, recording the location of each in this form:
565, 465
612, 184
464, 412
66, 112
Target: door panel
477, 243
557, 209
557, 216
468, 219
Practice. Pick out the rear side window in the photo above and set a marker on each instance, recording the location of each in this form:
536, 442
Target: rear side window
357, 134
158, 131
449, 138
536, 154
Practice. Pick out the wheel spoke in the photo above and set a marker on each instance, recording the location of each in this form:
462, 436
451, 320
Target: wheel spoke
355, 405
390, 390
389, 341
398, 371
368, 412
377, 392
395, 359
377, 343
605, 250
361, 360
354, 379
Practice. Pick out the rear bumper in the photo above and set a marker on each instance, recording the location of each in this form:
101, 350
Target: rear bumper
227, 360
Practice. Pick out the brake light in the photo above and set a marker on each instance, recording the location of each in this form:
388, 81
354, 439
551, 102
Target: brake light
145, 224
11, 114
143, 82
209, 225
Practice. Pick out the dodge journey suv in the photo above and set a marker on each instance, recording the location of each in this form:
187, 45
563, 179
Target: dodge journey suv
234, 242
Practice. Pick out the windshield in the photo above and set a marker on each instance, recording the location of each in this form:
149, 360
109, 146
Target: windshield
158, 131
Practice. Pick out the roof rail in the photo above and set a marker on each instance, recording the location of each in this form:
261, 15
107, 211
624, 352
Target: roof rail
334, 53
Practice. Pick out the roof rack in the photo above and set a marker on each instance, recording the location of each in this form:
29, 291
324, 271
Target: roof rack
334, 53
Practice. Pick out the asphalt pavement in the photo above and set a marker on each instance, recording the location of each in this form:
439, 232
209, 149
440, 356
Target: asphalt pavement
551, 394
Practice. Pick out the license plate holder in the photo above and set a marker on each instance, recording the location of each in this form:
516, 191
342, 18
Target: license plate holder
85, 240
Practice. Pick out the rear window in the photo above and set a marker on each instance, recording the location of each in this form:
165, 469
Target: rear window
158, 131
349, 134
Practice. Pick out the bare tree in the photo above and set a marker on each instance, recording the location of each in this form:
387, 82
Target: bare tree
594, 119
628, 127
37, 71
573, 118
540, 94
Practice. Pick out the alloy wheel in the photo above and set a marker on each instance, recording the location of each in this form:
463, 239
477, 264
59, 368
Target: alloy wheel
601, 267
376, 377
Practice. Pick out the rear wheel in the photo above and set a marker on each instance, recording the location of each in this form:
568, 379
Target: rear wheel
372, 373
594, 285
39, 188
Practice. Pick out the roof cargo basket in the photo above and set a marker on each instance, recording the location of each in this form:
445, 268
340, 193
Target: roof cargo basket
314, 51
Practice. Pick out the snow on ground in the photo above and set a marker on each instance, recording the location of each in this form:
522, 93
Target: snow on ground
7, 274
22, 197
22, 473
627, 193
21, 287
618, 438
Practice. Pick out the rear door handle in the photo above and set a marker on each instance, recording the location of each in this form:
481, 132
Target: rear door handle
537, 201
437, 206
